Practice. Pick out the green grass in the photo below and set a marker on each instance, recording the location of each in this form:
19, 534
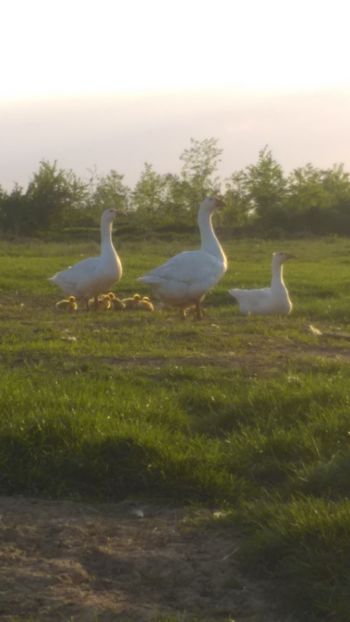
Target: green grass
251, 415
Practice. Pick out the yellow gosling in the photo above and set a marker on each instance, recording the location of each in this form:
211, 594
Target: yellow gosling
68, 304
145, 305
102, 303
116, 303
131, 303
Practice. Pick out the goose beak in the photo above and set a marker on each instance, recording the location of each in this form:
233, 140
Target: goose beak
290, 256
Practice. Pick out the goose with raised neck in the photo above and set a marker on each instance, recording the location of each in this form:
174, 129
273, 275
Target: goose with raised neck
278, 260
273, 300
184, 279
94, 275
209, 241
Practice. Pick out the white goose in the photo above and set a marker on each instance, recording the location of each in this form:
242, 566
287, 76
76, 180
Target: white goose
184, 279
269, 300
90, 277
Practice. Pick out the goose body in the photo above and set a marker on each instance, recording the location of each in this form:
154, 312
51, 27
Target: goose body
273, 300
94, 275
184, 280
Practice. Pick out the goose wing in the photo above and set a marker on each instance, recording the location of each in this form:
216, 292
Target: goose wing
74, 278
187, 267
252, 300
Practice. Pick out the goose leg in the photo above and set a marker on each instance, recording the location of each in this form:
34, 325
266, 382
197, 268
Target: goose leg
199, 310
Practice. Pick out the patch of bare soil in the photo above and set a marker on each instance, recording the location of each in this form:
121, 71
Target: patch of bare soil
251, 357
62, 560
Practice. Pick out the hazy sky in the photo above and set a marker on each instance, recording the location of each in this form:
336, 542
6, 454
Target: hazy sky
113, 83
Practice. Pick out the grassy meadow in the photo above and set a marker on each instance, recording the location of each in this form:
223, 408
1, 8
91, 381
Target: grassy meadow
247, 416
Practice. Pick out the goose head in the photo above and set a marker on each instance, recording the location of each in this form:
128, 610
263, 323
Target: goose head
108, 215
210, 204
280, 257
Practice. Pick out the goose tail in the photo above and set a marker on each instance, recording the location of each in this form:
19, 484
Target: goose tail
234, 293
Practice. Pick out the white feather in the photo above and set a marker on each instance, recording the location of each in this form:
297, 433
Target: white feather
268, 300
184, 279
94, 275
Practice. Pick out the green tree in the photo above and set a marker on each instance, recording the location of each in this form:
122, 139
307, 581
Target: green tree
239, 208
13, 211
256, 195
110, 192
198, 176
318, 200
265, 187
336, 181
175, 204
149, 196
51, 195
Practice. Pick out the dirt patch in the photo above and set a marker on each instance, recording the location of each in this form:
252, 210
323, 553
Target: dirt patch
63, 561
249, 357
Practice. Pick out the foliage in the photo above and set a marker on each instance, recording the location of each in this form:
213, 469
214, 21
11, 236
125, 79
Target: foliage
110, 192
50, 194
13, 210
318, 200
199, 166
150, 193
259, 199
259, 190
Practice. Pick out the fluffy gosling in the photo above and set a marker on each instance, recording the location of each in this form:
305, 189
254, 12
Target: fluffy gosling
116, 303
131, 303
145, 304
102, 303
68, 304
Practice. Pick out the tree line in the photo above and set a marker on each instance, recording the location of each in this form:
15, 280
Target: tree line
260, 199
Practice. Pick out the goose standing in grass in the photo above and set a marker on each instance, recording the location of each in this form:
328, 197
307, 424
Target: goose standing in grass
184, 280
90, 277
272, 300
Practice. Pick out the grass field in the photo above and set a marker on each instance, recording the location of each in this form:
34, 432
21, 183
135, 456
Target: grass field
250, 416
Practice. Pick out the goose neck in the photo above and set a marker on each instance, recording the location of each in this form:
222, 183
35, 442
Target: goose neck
277, 274
106, 234
209, 242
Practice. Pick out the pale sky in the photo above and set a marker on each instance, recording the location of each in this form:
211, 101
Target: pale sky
113, 83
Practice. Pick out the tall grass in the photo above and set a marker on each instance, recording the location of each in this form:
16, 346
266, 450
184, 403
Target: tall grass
251, 414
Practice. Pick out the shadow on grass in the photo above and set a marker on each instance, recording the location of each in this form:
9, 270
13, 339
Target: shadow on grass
47, 463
